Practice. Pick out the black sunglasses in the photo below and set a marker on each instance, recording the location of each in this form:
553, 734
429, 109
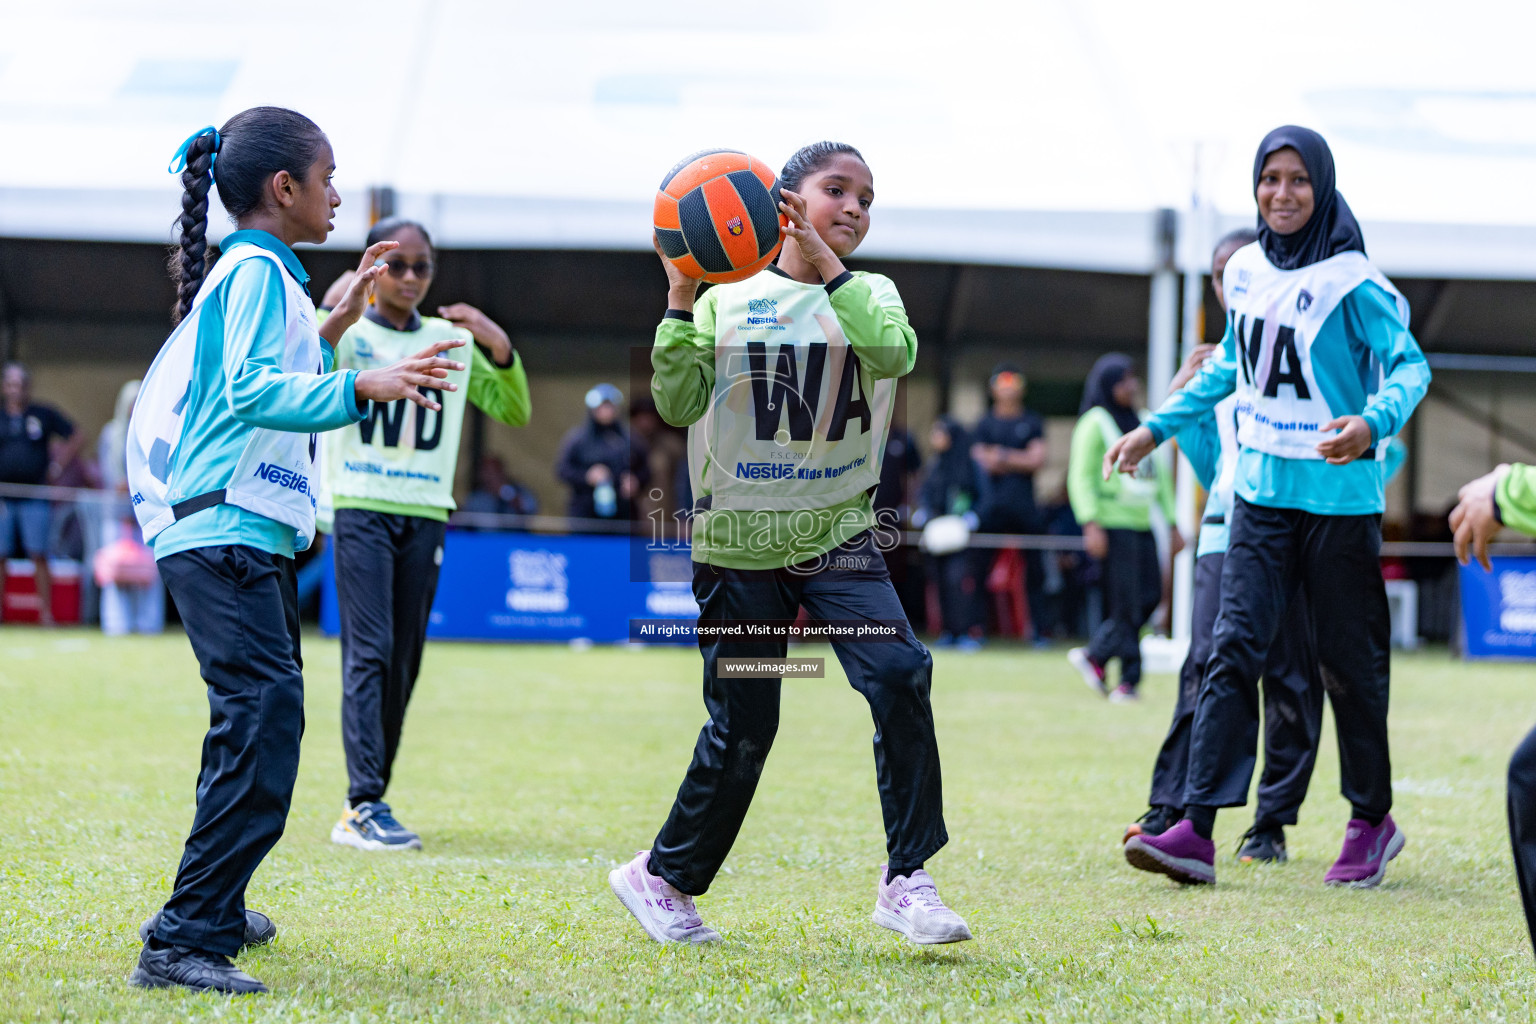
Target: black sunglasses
399, 268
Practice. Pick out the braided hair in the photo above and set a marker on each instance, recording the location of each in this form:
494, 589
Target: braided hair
251, 147
810, 159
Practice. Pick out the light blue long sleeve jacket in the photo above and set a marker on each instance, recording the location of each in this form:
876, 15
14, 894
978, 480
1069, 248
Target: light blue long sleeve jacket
1366, 324
229, 396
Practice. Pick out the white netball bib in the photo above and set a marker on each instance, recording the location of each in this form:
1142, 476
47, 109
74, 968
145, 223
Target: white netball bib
277, 473
1275, 316
795, 422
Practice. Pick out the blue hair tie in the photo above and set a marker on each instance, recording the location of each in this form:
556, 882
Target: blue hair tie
179, 161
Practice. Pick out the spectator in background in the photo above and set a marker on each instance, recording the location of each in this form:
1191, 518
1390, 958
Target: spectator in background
1070, 578
902, 462
954, 486
1116, 517
666, 449
1009, 445
36, 442
132, 598
497, 493
597, 461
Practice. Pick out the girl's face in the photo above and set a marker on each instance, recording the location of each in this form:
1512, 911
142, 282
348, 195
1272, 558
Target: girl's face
1285, 192
313, 200
410, 270
1127, 391
837, 200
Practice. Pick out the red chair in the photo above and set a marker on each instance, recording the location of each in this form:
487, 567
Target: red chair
1006, 584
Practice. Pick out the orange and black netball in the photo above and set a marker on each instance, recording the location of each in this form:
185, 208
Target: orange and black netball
717, 216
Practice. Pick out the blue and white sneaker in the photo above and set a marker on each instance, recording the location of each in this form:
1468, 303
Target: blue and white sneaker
371, 826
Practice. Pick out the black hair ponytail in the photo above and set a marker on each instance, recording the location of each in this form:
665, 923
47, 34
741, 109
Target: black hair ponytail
241, 158
189, 261
810, 159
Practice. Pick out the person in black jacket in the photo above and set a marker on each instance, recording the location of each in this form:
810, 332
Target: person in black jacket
955, 485
598, 461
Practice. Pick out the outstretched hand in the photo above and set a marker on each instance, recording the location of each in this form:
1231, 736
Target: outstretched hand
1127, 452
482, 328
1197, 358
1475, 520
354, 300
1351, 441
338, 289
405, 379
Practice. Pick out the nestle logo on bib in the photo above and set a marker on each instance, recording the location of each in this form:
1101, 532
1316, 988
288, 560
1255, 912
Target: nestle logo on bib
286, 478
764, 470
1303, 301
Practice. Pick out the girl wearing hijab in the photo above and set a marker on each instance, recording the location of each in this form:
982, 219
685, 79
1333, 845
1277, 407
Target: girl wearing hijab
1318, 351
1116, 517
955, 486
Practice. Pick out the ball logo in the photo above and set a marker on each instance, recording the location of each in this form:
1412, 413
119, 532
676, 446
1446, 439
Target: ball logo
733, 225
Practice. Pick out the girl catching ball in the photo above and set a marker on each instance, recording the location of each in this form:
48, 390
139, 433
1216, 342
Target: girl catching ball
786, 382
221, 473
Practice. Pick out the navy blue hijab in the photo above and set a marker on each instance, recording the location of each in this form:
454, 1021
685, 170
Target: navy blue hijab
1332, 228
1110, 370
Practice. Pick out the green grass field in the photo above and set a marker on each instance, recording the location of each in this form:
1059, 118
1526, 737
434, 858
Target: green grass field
530, 771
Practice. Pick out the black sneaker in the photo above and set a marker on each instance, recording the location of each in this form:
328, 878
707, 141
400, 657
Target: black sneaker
1155, 822
1262, 846
259, 929
196, 969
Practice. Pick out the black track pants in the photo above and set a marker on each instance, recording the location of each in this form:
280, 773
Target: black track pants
1133, 587
894, 676
1293, 707
1522, 824
960, 577
240, 608
1335, 563
386, 577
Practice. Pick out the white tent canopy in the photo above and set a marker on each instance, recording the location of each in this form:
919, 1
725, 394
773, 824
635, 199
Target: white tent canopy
1034, 133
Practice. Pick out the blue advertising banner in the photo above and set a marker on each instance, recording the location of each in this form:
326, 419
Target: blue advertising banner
522, 586
1498, 608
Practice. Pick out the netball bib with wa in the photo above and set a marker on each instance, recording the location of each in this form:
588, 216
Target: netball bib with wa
1276, 317
795, 422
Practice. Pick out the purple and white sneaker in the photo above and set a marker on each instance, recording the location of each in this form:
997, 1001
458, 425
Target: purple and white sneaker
1362, 862
1091, 671
1179, 853
666, 914
911, 906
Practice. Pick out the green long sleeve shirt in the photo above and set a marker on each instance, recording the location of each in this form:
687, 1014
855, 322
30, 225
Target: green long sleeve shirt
1122, 502
1515, 497
799, 519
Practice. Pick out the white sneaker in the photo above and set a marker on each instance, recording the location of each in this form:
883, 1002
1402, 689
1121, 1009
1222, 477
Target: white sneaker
912, 906
666, 914
1092, 674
